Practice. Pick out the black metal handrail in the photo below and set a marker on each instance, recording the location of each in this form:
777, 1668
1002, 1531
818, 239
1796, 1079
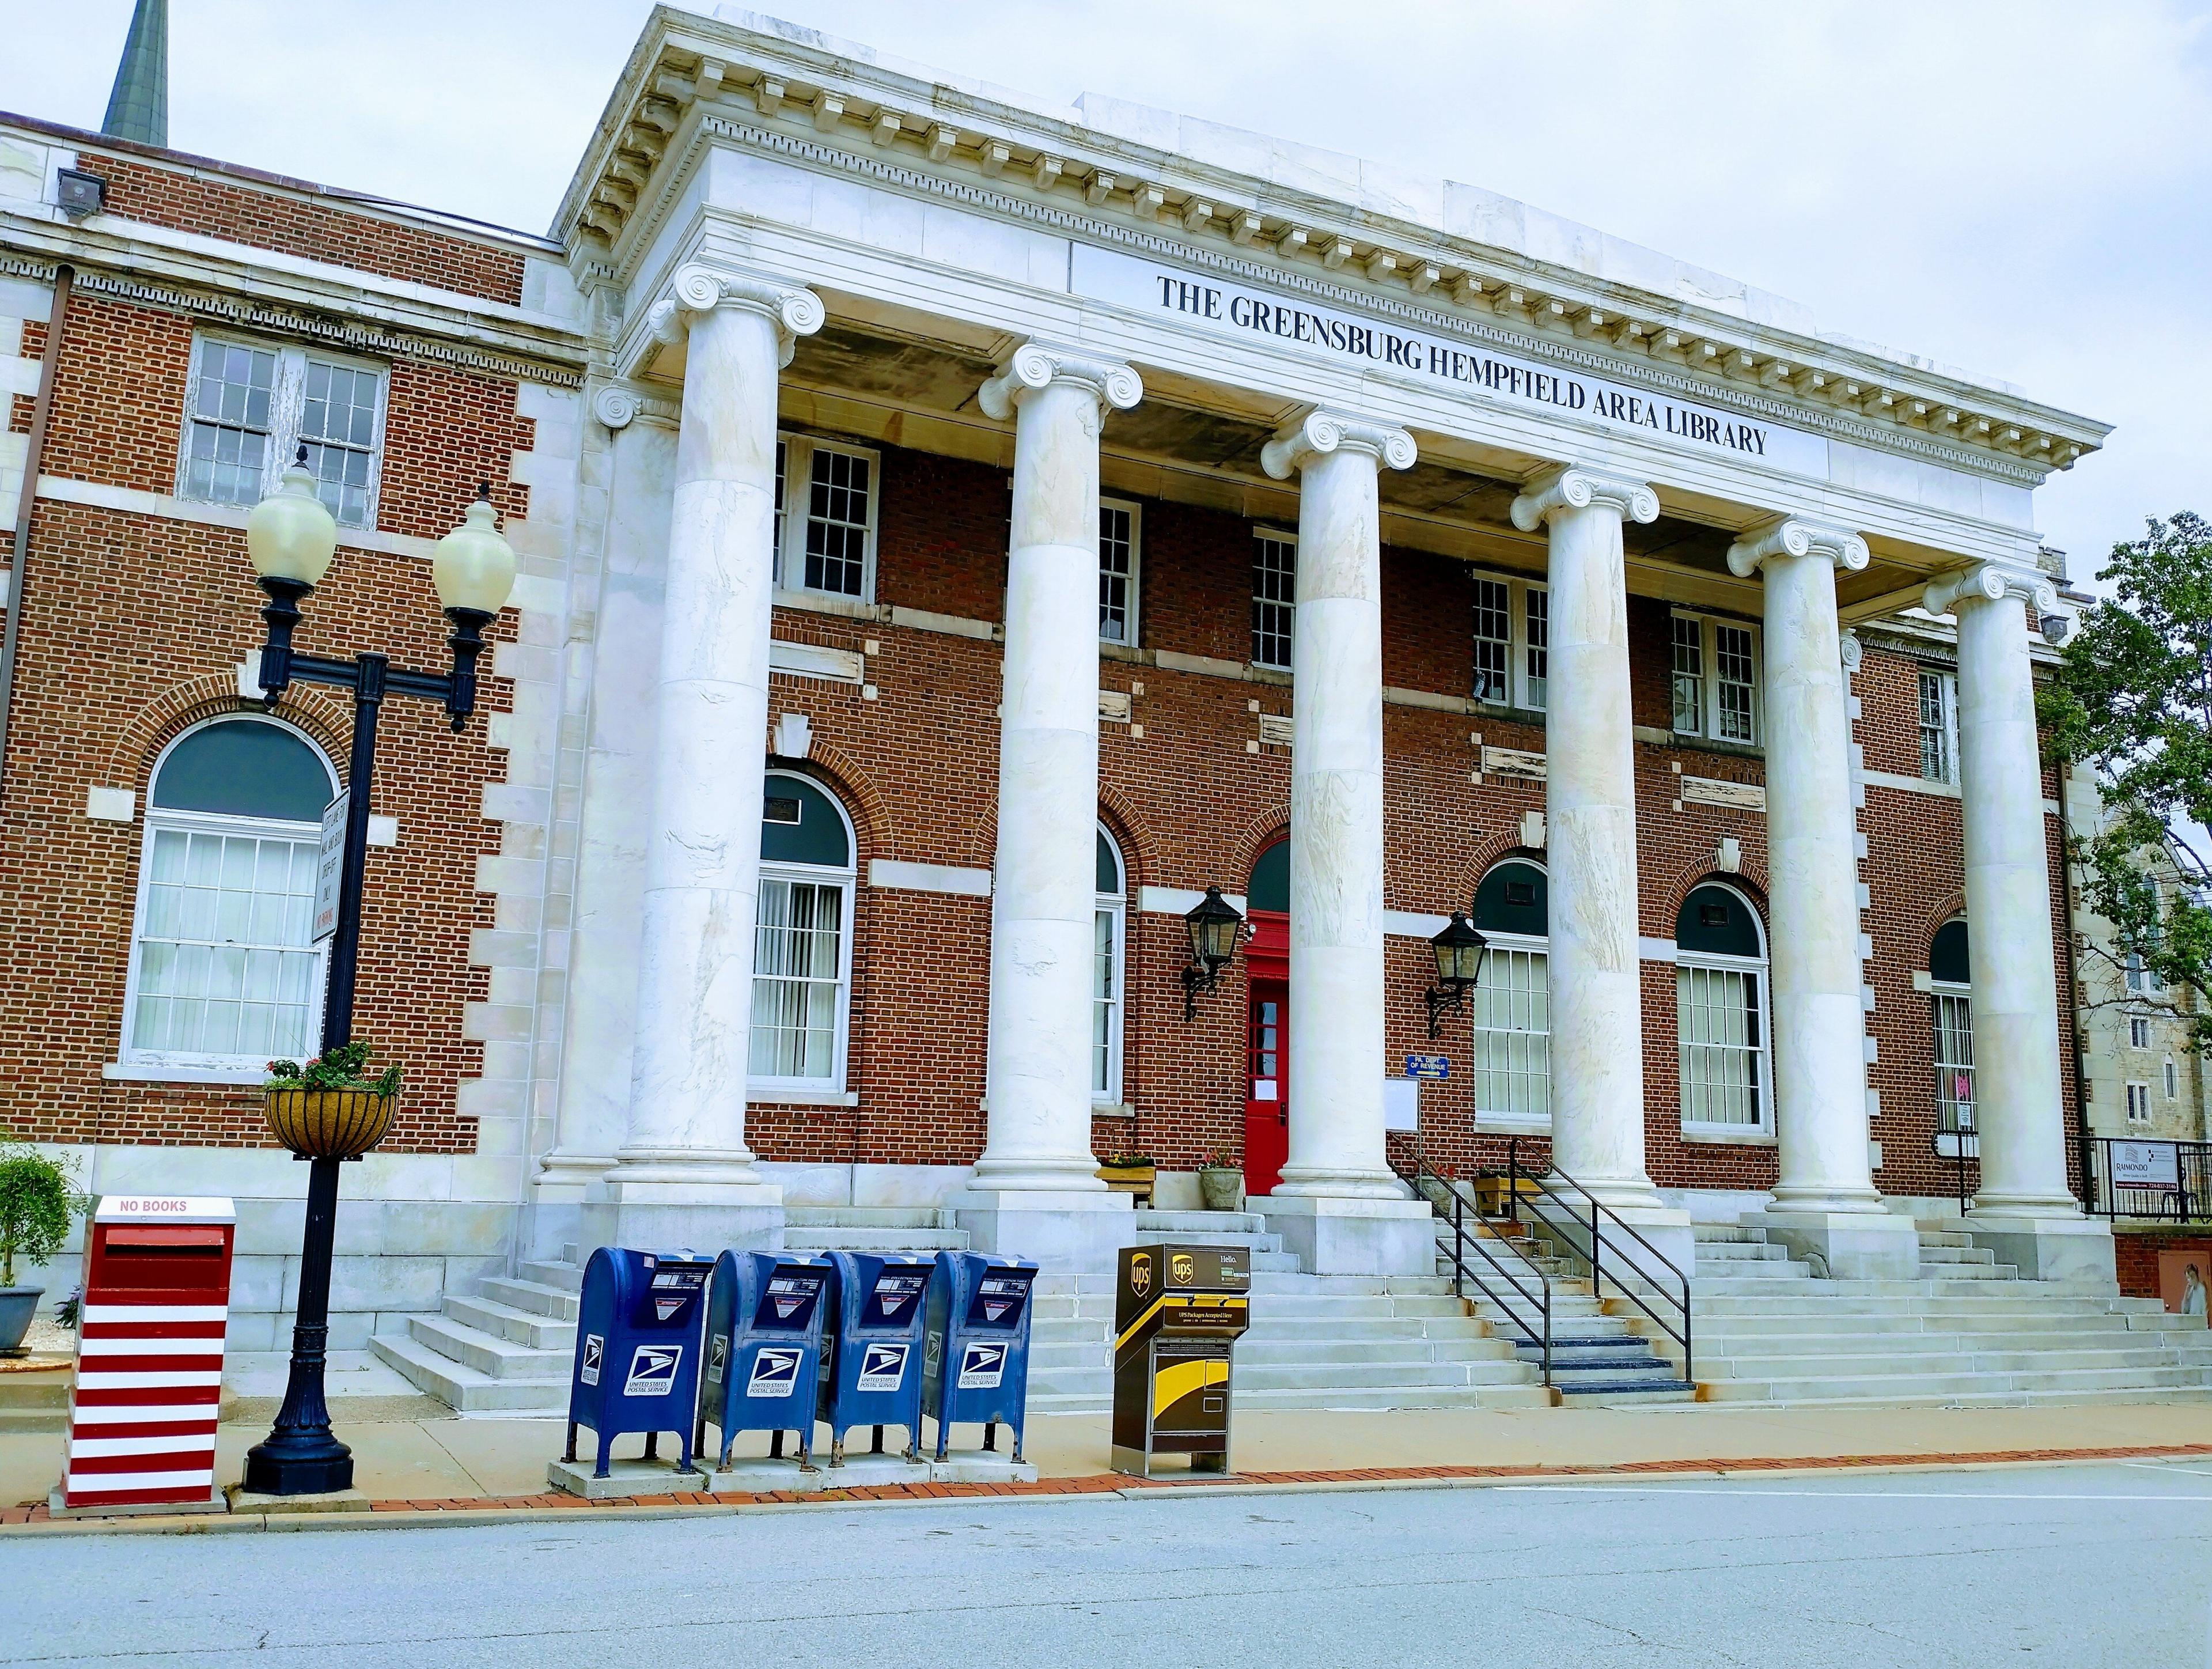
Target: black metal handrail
2167, 1181
1463, 1239
1602, 1220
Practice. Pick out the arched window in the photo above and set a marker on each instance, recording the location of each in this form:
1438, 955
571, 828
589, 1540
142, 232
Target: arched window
1720, 1011
1951, 999
802, 943
1512, 1003
1106, 1011
224, 975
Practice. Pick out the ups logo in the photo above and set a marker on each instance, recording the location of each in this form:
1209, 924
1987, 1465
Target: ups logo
1184, 1268
1140, 1273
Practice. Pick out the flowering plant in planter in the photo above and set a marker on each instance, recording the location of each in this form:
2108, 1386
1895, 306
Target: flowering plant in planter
1221, 1181
329, 1107
38, 1199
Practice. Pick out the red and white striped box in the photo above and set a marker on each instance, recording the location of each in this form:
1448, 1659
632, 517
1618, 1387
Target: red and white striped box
150, 1357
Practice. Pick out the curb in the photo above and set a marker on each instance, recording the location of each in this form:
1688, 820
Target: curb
458, 1510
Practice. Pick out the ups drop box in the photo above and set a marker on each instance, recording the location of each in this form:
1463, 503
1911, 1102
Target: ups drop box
764, 1323
637, 1348
877, 1303
1178, 1311
976, 1368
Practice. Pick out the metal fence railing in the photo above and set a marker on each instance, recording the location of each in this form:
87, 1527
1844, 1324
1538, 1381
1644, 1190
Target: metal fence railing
2167, 1181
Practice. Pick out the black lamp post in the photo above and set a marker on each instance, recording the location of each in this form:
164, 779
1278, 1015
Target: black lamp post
291, 538
1212, 922
1459, 950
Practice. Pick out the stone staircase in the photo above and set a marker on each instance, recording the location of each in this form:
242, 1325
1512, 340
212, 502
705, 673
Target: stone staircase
505, 1353
1966, 1331
870, 1228
1602, 1352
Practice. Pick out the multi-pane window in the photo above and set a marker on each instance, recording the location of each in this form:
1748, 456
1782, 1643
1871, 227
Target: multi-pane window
1511, 1002
224, 975
1939, 725
825, 523
1689, 674
1117, 572
249, 407
1274, 599
2138, 1103
2139, 1032
1494, 641
1537, 633
802, 940
1107, 975
1716, 679
1955, 1060
227, 444
1720, 1013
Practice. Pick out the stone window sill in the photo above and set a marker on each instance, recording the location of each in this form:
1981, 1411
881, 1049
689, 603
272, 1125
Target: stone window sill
1722, 1136
1513, 1127
1112, 1110
142, 1072
764, 1096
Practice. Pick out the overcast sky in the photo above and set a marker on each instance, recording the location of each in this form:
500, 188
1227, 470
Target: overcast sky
2018, 186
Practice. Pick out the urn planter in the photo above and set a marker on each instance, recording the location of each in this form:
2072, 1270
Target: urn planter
329, 1124
18, 1307
1221, 1188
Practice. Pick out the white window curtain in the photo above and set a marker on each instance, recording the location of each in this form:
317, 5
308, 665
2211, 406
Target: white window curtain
1108, 953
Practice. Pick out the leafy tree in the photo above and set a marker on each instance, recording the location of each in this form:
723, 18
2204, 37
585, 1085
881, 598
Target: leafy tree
37, 1201
2132, 701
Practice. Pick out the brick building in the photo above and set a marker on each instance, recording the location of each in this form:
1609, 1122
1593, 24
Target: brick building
1380, 549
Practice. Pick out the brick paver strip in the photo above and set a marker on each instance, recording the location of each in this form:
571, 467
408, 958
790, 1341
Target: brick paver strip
35, 1515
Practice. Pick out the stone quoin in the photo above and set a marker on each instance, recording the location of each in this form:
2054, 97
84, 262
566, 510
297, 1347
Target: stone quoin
955, 531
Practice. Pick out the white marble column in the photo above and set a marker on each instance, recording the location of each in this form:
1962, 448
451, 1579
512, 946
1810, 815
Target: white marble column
1035, 1185
1339, 1204
685, 1171
1596, 994
2025, 1210
1825, 1201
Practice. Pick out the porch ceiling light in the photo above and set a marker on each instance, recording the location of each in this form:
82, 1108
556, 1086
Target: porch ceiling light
1459, 951
1213, 924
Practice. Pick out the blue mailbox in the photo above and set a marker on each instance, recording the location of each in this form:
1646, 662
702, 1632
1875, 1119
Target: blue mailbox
977, 1365
878, 1302
637, 1356
764, 1315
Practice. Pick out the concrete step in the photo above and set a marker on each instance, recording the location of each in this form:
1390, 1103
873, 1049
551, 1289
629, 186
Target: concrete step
1640, 1395
527, 1328
1851, 1364
1624, 1352
1905, 1298
1169, 1224
1727, 1251
1368, 1329
487, 1352
35, 1402
1734, 1272
2053, 1383
867, 1216
563, 1276
832, 1238
1950, 1257
559, 1302
464, 1388
1529, 1395
1707, 1234
1338, 1353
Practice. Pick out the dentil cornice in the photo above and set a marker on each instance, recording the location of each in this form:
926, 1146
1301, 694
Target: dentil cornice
1571, 487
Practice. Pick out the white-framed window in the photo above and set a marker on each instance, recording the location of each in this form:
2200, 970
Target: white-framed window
2138, 977
2173, 1080
1951, 1004
827, 495
1715, 678
802, 941
1512, 641
1108, 949
1720, 1012
249, 406
1511, 1002
1939, 725
1120, 558
223, 974
1274, 596
2138, 1031
2138, 1103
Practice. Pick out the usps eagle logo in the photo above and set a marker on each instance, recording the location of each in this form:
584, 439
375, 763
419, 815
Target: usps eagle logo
1140, 1273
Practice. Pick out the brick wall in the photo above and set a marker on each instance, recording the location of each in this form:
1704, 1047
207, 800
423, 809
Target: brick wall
2136, 1252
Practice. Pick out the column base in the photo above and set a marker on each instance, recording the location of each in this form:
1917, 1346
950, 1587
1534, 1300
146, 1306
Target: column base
1065, 1231
2046, 1244
568, 1178
656, 1213
1852, 1245
1353, 1233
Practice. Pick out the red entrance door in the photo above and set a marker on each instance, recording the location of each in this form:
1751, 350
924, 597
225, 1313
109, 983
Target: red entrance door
1267, 1060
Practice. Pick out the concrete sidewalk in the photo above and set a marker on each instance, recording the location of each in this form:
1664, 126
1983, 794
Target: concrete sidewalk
464, 1460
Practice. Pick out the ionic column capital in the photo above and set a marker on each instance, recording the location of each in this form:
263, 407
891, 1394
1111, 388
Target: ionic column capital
1322, 432
1571, 487
1788, 536
1989, 583
1036, 365
697, 289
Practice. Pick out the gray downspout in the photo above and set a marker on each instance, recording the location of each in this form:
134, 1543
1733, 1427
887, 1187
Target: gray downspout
34, 455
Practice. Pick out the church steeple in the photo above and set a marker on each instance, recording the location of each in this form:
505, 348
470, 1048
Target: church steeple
138, 108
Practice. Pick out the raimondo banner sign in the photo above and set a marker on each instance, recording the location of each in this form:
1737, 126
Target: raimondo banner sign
1233, 309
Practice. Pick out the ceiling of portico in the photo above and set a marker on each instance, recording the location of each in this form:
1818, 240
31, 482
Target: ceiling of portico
1193, 442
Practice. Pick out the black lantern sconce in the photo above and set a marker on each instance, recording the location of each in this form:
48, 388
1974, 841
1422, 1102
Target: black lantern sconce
1459, 950
1213, 924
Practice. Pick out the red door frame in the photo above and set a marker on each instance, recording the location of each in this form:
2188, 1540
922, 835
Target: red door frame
1268, 980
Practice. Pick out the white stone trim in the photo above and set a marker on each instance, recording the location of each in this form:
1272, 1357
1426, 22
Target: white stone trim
143, 1072
1412, 924
111, 805
895, 874
99, 494
815, 661
1655, 950
1181, 901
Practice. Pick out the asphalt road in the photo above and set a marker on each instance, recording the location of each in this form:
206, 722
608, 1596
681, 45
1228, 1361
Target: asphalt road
2076, 1566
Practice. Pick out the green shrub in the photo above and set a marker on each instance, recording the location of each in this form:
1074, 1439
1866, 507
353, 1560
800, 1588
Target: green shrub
37, 1198
344, 1066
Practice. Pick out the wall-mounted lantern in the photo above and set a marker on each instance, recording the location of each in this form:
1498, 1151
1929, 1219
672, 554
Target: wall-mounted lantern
1213, 925
1459, 950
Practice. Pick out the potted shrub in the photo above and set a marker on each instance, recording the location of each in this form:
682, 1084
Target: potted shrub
330, 1108
1130, 1173
1221, 1182
37, 1198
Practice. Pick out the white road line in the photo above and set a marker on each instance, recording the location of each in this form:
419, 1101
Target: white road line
1566, 1488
